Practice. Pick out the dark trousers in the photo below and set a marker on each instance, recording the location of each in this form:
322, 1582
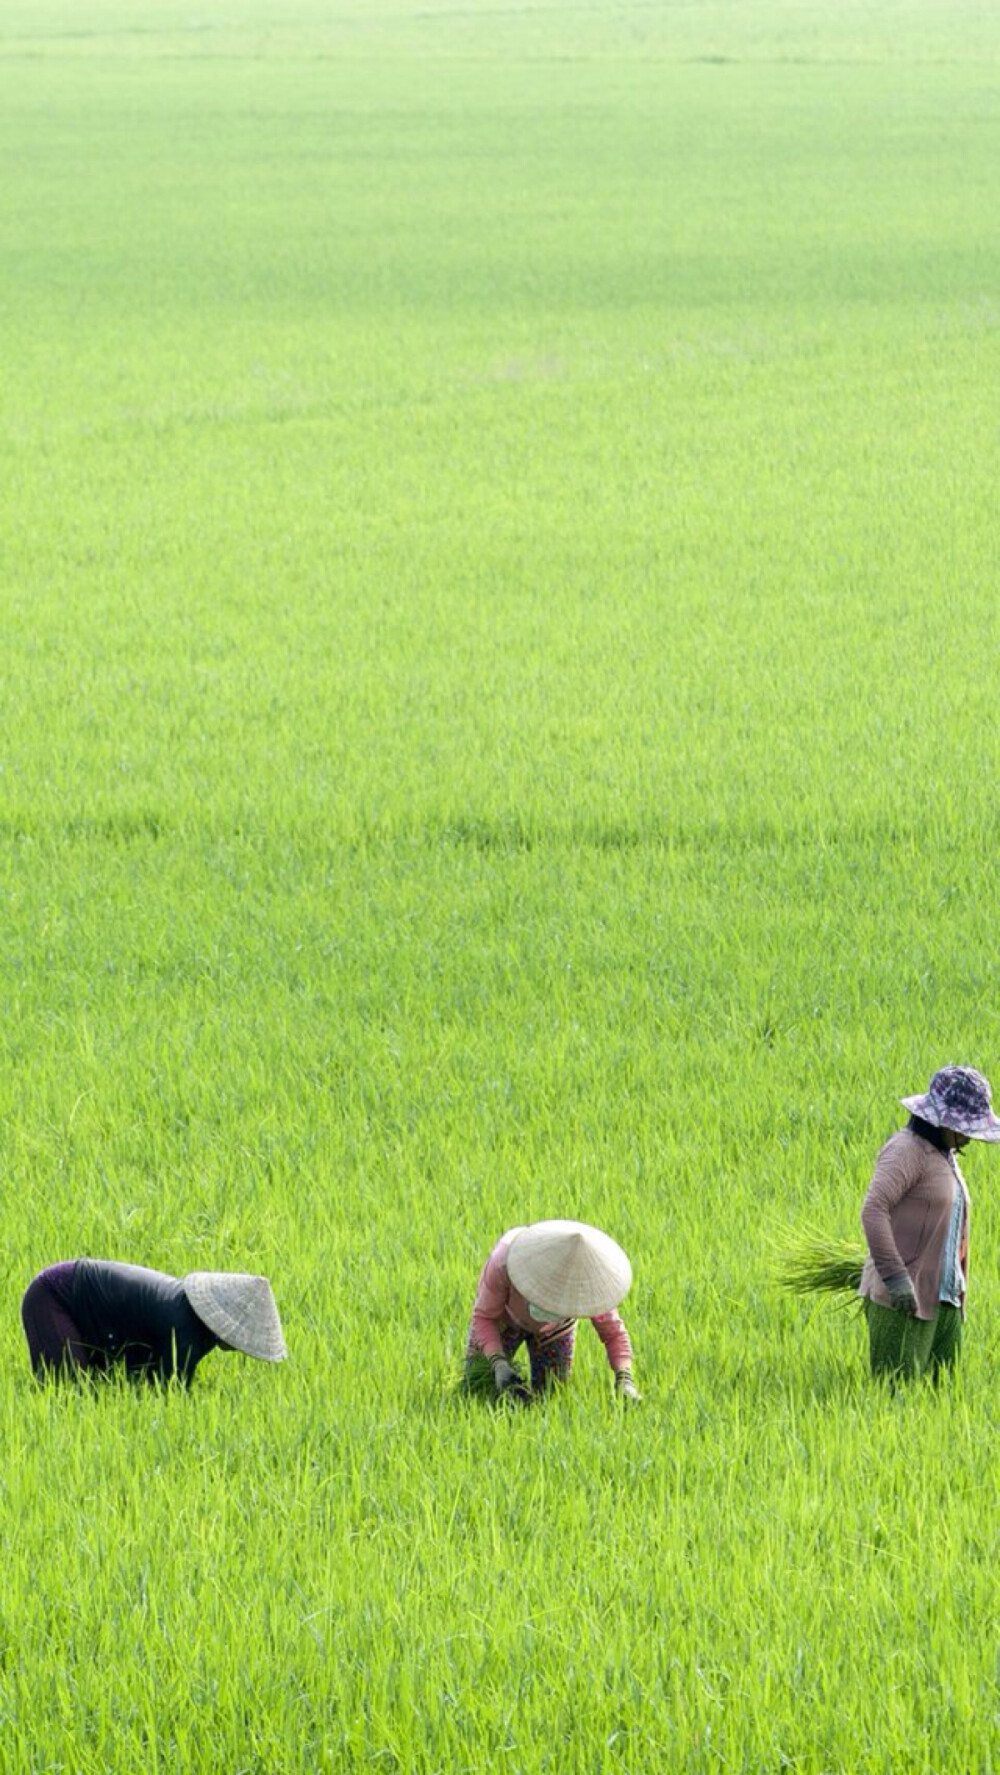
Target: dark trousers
901, 1348
54, 1340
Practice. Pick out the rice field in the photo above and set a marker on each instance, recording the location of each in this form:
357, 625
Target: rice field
499, 565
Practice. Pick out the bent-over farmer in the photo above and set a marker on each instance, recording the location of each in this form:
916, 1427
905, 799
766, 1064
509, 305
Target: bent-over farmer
916, 1221
89, 1315
536, 1283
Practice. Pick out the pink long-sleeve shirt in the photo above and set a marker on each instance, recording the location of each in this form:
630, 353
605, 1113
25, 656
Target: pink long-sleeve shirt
498, 1304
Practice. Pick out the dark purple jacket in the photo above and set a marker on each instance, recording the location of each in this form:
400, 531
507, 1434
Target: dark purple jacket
140, 1318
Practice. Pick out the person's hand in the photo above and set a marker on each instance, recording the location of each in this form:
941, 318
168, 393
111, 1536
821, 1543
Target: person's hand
902, 1298
625, 1387
508, 1382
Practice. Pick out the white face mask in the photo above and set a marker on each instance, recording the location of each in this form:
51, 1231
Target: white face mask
544, 1316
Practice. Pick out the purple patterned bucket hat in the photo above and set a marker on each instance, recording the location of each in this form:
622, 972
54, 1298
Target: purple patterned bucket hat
959, 1098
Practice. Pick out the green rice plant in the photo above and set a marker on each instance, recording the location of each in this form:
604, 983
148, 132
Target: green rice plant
499, 576
812, 1262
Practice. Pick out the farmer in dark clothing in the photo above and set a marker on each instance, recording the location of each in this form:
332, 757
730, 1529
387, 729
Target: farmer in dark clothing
89, 1316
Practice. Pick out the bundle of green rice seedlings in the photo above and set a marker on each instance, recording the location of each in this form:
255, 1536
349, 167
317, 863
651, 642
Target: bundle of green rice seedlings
811, 1262
475, 1380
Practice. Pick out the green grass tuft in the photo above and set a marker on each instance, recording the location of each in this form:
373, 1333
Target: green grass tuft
814, 1263
499, 595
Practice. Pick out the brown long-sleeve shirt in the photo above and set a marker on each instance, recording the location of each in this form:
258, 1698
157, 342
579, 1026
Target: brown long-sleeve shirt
906, 1214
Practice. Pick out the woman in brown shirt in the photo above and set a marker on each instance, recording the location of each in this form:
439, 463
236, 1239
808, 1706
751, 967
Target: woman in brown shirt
916, 1221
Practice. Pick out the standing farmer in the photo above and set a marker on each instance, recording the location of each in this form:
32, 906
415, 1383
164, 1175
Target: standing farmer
916, 1221
88, 1315
536, 1283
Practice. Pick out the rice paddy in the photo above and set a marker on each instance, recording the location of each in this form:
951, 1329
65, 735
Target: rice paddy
498, 599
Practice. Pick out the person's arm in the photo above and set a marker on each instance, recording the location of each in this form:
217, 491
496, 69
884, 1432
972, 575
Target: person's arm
178, 1360
891, 1180
488, 1306
168, 1338
610, 1329
492, 1296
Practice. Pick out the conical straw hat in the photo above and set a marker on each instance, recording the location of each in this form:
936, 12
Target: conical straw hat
240, 1310
569, 1268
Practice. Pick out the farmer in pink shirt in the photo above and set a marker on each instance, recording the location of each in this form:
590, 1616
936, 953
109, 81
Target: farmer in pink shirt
536, 1283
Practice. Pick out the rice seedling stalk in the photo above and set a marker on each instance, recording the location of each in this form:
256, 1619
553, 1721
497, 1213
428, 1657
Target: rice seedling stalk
812, 1262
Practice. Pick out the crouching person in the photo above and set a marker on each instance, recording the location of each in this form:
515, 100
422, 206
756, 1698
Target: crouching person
88, 1316
536, 1283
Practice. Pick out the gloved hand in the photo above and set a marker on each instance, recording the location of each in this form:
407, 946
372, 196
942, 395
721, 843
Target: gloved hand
508, 1382
625, 1387
902, 1299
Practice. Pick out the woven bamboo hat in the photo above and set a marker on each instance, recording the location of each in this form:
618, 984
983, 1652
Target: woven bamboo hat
569, 1268
240, 1310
